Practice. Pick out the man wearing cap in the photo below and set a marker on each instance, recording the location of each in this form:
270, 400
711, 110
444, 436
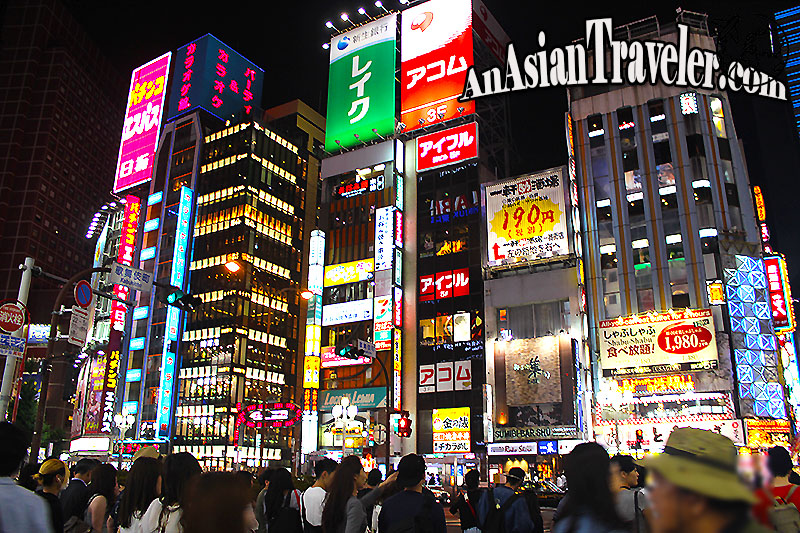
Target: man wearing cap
695, 486
413, 504
516, 517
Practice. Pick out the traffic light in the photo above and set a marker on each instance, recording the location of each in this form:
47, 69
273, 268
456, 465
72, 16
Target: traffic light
186, 302
348, 348
404, 425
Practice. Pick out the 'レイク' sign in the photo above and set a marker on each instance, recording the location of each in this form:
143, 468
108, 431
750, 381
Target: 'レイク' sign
780, 297
142, 123
447, 147
444, 285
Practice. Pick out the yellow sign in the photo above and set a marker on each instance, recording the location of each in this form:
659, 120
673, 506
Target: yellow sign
348, 272
767, 433
716, 293
526, 219
311, 368
761, 208
657, 385
451, 433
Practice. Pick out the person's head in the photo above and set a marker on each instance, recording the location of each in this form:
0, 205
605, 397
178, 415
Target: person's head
83, 469
146, 451
104, 482
264, 477
623, 472
374, 478
13, 448
218, 501
245, 477
179, 469
779, 462
411, 472
53, 474
347, 479
142, 486
27, 476
515, 477
694, 483
587, 472
280, 483
472, 479
323, 471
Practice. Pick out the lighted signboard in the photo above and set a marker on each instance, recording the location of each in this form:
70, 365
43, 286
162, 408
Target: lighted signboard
642, 342
93, 401
267, 415
447, 147
172, 326
383, 323
127, 248
651, 437
647, 386
331, 360
451, 432
211, 75
143, 114
348, 272
361, 84
435, 52
761, 208
526, 218
768, 433
384, 238
343, 313
397, 313
780, 296
110, 381
397, 370
444, 285
311, 366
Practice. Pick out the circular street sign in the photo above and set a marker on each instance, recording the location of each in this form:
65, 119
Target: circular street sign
83, 293
12, 317
379, 433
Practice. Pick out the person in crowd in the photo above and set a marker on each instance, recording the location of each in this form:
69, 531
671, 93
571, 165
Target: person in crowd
631, 502
248, 480
588, 506
642, 479
412, 505
103, 490
374, 478
20, 509
141, 488
513, 509
465, 506
282, 504
778, 490
75, 497
263, 481
53, 476
219, 501
27, 476
694, 486
344, 512
314, 496
164, 514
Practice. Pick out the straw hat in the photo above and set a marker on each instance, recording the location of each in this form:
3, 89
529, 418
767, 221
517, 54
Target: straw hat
703, 462
146, 451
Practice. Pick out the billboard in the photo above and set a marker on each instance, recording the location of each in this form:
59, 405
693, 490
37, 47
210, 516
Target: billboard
351, 272
435, 53
211, 75
384, 238
127, 249
780, 296
444, 285
346, 312
447, 147
526, 218
361, 84
143, 114
451, 432
643, 342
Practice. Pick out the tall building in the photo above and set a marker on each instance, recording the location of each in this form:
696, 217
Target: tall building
788, 32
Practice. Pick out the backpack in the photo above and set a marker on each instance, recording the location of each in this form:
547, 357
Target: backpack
639, 521
420, 523
76, 525
496, 517
287, 519
783, 516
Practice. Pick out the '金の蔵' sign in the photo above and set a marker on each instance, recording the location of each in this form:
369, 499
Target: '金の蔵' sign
451, 432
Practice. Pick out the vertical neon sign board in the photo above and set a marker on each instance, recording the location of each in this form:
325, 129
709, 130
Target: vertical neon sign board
361, 84
780, 295
172, 326
127, 248
397, 356
143, 113
312, 362
211, 75
384, 238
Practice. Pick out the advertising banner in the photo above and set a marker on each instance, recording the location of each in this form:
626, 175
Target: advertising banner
347, 312
451, 432
311, 366
768, 433
673, 337
143, 114
361, 84
526, 218
435, 52
780, 297
447, 147
651, 438
533, 371
93, 404
366, 398
348, 272
534, 432
384, 238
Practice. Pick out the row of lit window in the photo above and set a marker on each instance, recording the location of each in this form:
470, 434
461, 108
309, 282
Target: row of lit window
275, 169
219, 195
221, 163
277, 138
213, 222
271, 200
261, 228
241, 127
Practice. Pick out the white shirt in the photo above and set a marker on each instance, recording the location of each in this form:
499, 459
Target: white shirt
313, 503
149, 522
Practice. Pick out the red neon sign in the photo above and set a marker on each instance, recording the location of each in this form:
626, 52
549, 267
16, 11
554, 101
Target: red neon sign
127, 247
779, 295
447, 147
445, 284
267, 415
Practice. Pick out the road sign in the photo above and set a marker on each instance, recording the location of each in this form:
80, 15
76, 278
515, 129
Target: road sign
368, 347
14, 346
83, 294
12, 316
134, 278
379, 434
78, 326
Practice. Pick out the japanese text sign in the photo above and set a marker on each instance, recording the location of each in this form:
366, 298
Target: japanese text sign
133, 278
444, 285
526, 218
780, 297
397, 357
211, 75
384, 238
111, 379
446, 147
435, 52
348, 272
127, 248
143, 113
669, 338
451, 431
361, 84
346, 312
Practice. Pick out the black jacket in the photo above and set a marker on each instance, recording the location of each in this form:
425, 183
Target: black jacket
467, 510
74, 499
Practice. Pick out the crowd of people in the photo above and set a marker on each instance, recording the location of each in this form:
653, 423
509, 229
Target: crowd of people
693, 486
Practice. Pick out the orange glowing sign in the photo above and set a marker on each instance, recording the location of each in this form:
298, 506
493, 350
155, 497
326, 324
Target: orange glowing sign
657, 385
761, 209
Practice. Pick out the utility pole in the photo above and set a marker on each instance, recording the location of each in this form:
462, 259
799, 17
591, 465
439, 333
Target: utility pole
9, 372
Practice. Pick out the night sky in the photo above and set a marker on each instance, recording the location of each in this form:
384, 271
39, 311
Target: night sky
285, 38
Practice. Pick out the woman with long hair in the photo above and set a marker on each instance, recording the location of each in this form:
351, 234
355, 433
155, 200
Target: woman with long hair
344, 512
589, 505
53, 476
103, 491
282, 504
141, 488
219, 501
164, 514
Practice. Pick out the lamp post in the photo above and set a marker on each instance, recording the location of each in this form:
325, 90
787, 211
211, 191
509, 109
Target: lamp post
123, 423
346, 413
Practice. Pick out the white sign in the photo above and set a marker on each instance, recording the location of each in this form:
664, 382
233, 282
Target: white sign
512, 448
368, 347
526, 218
384, 238
134, 278
347, 312
78, 326
14, 346
656, 339
653, 437
427, 378
463, 375
444, 377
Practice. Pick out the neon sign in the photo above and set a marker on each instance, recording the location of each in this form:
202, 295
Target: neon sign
444, 285
780, 297
127, 248
267, 415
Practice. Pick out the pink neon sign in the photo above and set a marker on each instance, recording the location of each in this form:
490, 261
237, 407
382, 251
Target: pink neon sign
142, 123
